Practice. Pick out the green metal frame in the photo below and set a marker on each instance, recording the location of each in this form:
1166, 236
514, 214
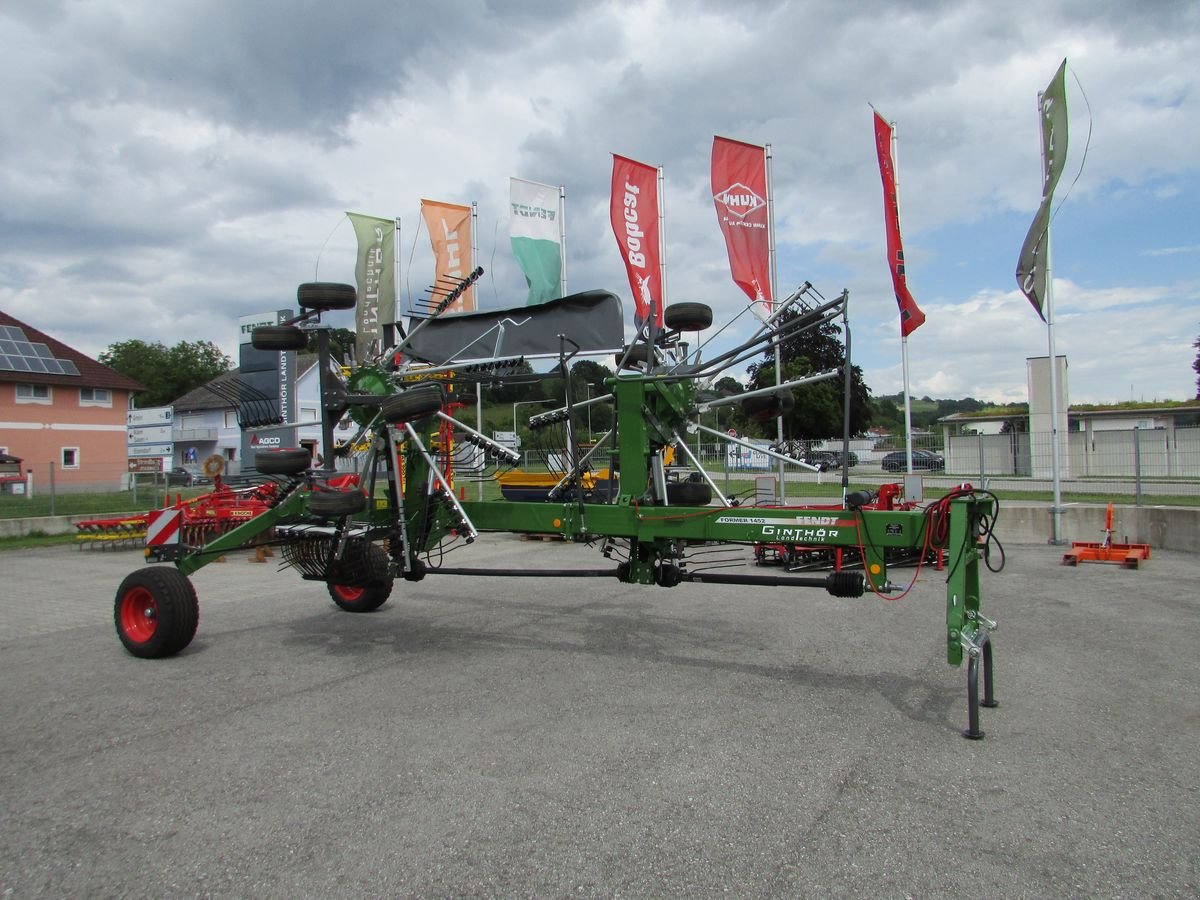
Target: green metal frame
415, 515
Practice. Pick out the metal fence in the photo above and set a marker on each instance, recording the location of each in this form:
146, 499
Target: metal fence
1142, 466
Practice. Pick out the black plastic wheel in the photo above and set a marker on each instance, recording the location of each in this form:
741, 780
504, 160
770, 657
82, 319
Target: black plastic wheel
291, 461
335, 504
637, 358
417, 402
278, 337
689, 493
369, 595
768, 406
156, 612
688, 316
326, 295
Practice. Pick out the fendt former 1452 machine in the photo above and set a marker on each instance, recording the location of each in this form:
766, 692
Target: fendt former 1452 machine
384, 505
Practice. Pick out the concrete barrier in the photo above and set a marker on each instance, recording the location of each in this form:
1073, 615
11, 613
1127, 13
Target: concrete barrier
1162, 527
50, 524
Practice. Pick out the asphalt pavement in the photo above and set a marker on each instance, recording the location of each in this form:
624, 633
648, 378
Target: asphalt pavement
544, 737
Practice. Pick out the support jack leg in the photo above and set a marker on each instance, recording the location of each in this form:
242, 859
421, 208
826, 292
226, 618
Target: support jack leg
973, 731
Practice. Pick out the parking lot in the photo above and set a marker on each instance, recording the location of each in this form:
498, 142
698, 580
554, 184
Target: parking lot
554, 737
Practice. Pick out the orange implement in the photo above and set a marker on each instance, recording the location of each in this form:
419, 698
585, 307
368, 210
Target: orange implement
1129, 556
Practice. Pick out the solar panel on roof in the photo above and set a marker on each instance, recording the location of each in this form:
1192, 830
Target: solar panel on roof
18, 354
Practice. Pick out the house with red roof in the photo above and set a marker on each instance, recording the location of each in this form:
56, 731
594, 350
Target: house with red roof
61, 412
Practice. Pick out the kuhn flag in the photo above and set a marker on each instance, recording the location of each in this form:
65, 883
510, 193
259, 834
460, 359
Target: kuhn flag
911, 317
449, 227
375, 273
634, 210
739, 186
1031, 264
536, 234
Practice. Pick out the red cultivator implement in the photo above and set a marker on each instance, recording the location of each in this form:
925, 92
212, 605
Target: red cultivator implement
203, 518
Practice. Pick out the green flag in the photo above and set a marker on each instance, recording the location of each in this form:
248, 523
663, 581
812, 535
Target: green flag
375, 274
1031, 264
536, 234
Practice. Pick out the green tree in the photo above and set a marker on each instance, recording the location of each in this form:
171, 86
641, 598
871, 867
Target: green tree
341, 343
167, 372
1196, 367
818, 412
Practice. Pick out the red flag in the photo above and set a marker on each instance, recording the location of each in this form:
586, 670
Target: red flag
633, 209
739, 186
911, 318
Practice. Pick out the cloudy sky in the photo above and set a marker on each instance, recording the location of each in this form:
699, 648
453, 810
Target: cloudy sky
170, 166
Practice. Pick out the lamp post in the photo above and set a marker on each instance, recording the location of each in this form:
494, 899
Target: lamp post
588, 384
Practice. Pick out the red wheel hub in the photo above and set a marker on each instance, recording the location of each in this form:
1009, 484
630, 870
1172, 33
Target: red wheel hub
139, 615
347, 593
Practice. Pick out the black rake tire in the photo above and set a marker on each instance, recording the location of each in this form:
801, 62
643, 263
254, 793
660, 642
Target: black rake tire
278, 337
156, 612
291, 461
323, 295
335, 504
689, 493
767, 406
417, 402
636, 355
365, 597
688, 316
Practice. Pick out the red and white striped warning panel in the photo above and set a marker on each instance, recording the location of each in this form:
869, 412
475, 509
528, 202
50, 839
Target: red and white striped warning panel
163, 527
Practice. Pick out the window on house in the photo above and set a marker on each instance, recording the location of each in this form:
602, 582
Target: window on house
33, 393
308, 414
95, 397
70, 457
231, 418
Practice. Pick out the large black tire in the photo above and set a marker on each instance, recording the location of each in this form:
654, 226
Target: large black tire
156, 612
323, 295
688, 316
689, 493
417, 402
335, 504
278, 337
291, 461
768, 406
637, 358
369, 596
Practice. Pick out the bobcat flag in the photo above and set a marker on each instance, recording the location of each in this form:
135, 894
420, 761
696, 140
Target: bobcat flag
375, 275
739, 186
536, 232
634, 211
449, 227
1031, 265
911, 318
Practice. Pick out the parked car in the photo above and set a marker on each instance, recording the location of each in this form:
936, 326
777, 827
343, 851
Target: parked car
897, 461
831, 459
181, 476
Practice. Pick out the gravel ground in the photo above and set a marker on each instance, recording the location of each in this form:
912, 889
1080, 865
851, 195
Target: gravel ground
548, 737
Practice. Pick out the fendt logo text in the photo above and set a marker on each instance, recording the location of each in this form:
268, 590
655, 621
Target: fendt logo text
739, 200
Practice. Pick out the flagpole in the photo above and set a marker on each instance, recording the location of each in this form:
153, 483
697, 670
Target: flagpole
778, 358
1056, 510
908, 447
390, 333
562, 233
662, 243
